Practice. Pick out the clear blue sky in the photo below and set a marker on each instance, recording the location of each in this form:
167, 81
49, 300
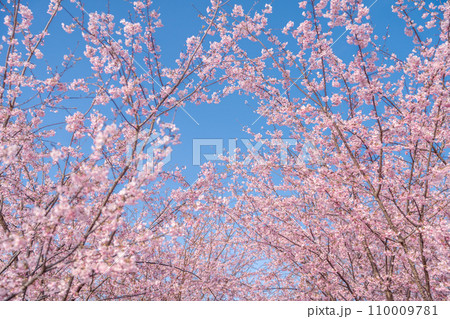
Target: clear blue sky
180, 20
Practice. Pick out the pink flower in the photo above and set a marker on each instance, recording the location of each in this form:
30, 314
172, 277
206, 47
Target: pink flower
74, 122
68, 28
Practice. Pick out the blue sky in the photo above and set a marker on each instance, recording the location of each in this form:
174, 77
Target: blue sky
180, 19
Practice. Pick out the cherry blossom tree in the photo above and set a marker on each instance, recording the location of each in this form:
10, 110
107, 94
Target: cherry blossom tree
364, 216
360, 214
81, 216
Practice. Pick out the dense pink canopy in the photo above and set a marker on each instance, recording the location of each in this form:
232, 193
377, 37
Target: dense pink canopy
364, 216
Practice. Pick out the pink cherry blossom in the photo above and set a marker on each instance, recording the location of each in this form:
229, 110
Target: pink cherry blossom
344, 195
